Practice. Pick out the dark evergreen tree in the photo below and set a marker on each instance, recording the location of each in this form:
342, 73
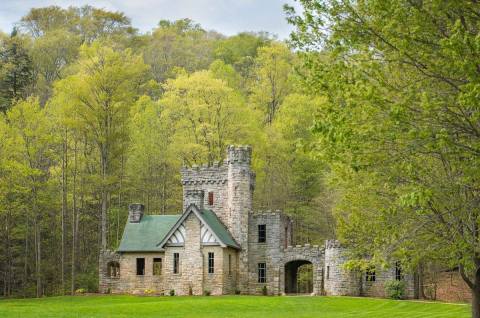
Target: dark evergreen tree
16, 71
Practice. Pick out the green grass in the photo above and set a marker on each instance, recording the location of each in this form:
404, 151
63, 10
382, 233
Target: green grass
226, 306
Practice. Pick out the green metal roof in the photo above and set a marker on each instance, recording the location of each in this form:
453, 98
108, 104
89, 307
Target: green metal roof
144, 236
218, 228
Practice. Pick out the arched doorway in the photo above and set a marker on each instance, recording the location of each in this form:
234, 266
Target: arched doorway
299, 277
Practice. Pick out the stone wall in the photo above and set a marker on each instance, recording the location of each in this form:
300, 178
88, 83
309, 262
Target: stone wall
241, 182
339, 281
310, 253
209, 179
269, 252
213, 282
230, 272
377, 288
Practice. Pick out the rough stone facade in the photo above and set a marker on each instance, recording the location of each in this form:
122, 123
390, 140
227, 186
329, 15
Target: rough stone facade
261, 260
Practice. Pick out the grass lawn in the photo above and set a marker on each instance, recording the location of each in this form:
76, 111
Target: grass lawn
225, 306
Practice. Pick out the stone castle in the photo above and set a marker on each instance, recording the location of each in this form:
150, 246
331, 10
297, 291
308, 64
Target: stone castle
219, 245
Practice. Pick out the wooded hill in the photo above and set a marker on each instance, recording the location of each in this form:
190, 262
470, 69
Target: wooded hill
96, 115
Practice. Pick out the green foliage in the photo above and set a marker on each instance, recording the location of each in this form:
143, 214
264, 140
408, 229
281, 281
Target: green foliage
98, 116
396, 129
172, 292
16, 70
264, 290
395, 289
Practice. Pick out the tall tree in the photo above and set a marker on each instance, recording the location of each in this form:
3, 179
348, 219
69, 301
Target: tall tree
274, 66
15, 70
401, 125
104, 89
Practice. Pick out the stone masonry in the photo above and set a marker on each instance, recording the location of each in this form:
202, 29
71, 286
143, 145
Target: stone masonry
243, 251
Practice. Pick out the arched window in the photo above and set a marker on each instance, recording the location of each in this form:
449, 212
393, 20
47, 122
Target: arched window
113, 269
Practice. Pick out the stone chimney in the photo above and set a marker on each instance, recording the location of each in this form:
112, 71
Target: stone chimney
135, 212
194, 196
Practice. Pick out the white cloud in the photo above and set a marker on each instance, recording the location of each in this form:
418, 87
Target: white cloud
226, 16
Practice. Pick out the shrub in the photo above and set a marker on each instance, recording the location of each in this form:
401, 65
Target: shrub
172, 292
149, 291
264, 291
237, 291
207, 292
80, 291
395, 289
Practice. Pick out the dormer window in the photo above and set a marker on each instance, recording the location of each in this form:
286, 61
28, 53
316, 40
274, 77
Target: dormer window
210, 198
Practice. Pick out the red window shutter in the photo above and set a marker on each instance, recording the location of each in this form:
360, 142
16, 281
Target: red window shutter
210, 198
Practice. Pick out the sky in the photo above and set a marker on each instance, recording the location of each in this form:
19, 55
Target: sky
225, 16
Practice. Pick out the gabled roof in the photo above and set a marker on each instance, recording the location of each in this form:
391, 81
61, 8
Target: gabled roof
211, 221
218, 228
144, 236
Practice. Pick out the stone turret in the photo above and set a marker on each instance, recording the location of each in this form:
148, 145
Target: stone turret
241, 181
339, 281
135, 212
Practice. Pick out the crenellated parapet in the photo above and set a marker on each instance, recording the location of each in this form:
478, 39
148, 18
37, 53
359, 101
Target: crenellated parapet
239, 154
333, 244
205, 174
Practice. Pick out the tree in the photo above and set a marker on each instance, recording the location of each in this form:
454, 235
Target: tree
30, 132
178, 44
208, 116
401, 125
104, 89
15, 70
274, 65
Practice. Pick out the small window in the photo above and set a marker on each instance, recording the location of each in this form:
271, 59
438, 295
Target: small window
211, 263
140, 266
229, 264
370, 275
157, 266
210, 198
328, 272
113, 269
398, 271
262, 233
176, 262
262, 272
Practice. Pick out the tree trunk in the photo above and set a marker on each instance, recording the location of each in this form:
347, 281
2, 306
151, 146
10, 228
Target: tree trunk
74, 220
64, 207
104, 161
476, 302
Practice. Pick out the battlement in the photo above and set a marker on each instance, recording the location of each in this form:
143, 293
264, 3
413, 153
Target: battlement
215, 174
266, 213
239, 154
333, 244
304, 247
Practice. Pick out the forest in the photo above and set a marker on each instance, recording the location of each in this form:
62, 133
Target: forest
96, 115
365, 126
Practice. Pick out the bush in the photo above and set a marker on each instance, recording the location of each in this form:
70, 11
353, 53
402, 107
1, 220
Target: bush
395, 289
149, 292
172, 292
207, 292
237, 291
80, 291
264, 291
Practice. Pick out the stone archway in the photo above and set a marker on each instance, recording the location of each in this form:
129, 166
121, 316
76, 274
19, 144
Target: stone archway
292, 273
298, 256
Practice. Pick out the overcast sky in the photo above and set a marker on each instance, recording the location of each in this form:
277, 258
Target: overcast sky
226, 16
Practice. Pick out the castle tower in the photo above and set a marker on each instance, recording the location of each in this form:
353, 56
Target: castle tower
241, 182
339, 281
